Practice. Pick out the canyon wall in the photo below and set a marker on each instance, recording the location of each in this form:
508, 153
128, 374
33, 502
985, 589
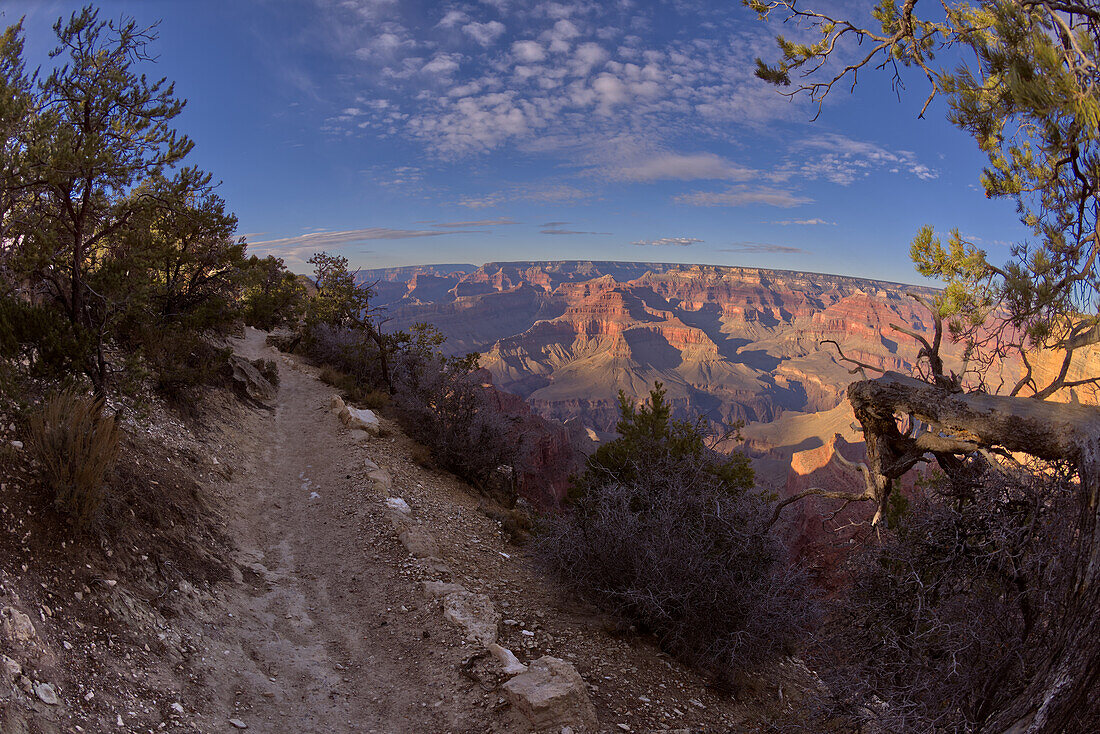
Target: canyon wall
731, 343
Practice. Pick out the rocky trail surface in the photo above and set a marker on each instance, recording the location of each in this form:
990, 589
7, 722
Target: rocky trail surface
326, 633
338, 586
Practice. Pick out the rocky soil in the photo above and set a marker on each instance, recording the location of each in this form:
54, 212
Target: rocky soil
339, 587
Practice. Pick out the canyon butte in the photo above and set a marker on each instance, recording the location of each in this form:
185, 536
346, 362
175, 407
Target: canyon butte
729, 343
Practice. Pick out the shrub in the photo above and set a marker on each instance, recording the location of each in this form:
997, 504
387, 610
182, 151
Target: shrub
670, 534
441, 404
76, 446
648, 433
950, 611
182, 362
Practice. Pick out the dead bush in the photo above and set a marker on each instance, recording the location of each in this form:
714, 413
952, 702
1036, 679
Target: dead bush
952, 609
75, 445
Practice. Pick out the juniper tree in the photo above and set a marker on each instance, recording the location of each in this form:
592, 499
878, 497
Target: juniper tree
102, 129
1026, 88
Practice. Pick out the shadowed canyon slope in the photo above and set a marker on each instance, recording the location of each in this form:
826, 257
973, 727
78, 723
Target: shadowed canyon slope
728, 342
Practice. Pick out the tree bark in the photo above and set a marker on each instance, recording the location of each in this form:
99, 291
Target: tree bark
1070, 672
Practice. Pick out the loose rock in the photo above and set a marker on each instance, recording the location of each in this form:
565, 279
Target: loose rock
16, 626
474, 613
46, 694
552, 694
512, 665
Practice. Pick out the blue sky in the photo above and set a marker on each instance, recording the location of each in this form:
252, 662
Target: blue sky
401, 132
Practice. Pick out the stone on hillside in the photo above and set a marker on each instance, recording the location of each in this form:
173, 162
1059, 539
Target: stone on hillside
552, 694
512, 665
399, 505
418, 541
336, 404
16, 627
10, 670
381, 477
46, 694
249, 380
362, 419
474, 613
371, 466
436, 589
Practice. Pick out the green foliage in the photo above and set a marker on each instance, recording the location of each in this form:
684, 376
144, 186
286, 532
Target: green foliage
648, 436
272, 294
40, 335
117, 255
339, 301
75, 445
1031, 101
667, 532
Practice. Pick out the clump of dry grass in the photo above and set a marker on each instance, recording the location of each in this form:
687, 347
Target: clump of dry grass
76, 445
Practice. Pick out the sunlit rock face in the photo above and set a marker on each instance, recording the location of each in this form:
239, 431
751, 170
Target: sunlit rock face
731, 343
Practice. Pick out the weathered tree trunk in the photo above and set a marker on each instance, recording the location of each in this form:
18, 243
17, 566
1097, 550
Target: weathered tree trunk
964, 422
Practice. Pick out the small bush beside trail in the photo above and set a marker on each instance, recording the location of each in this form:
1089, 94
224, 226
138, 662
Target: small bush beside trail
670, 534
76, 446
442, 405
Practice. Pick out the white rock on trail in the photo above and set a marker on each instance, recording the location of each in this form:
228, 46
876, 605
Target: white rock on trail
355, 418
474, 613
552, 694
512, 665
399, 505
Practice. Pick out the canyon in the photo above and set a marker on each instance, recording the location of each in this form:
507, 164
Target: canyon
729, 343
733, 344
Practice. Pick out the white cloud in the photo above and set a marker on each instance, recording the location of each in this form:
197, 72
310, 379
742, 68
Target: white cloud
443, 64
669, 241
681, 167
476, 223
452, 18
844, 160
743, 196
484, 33
551, 193
322, 240
766, 247
528, 52
588, 56
788, 222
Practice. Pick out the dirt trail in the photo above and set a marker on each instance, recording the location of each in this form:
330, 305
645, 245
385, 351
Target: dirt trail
326, 632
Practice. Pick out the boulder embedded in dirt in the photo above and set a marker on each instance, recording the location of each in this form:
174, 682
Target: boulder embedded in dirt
249, 380
474, 613
16, 627
552, 694
362, 419
381, 478
10, 670
418, 541
46, 694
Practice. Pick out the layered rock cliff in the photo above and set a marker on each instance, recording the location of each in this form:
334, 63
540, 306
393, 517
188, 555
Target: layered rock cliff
729, 342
